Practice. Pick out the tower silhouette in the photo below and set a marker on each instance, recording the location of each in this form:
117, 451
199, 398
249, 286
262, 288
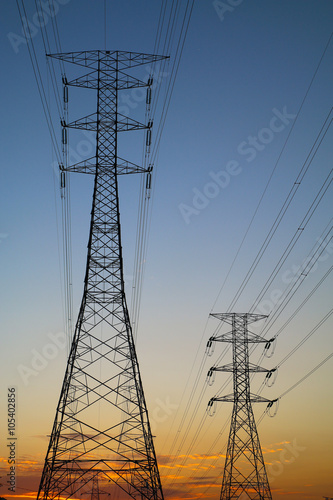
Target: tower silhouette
95, 489
101, 429
95, 493
244, 470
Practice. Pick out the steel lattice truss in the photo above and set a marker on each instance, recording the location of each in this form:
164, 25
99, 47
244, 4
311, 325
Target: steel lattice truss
244, 470
101, 429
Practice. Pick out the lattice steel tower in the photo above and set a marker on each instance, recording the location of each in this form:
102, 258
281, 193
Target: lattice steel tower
101, 430
244, 470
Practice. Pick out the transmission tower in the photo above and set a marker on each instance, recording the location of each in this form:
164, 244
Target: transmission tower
101, 428
95, 489
95, 492
244, 470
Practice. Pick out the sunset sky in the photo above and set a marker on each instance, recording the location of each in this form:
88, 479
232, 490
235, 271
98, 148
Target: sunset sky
249, 101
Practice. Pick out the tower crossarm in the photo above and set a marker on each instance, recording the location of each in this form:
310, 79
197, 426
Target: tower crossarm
88, 166
229, 317
112, 58
93, 122
228, 337
230, 368
230, 398
91, 81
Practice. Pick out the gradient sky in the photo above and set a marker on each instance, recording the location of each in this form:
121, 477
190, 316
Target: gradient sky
235, 76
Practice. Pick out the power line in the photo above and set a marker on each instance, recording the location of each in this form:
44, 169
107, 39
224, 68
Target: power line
314, 258
312, 332
143, 226
280, 216
39, 82
314, 289
274, 169
306, 376
292, 289
65, 191
297, 234
64, 176
50, 66
312, 262
66, 221
311, 372
174, 72
291, 194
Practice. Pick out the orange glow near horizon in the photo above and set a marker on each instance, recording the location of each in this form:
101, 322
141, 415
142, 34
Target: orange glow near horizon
197, 475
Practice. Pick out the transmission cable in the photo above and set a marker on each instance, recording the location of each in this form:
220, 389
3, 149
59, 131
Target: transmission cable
39, 82
54, 141
312, 332
273, 171
324, 235
280, 216
64, 177
304, 302
311, 372
200, 426
281, 362
275, 166
306, 376
166, 50
292, 352
50, 65
174, 72
288, 250
57, 40
143, 226
289, 293
160, 26
305, 220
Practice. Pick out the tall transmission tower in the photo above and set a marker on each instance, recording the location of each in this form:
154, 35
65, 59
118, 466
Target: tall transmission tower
101, 428
244, 470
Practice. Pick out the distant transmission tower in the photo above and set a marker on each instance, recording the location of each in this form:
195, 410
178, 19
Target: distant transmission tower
95, 489
244, 471
101, 429
95, 492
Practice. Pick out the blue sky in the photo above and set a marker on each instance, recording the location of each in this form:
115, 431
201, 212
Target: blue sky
235, 76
